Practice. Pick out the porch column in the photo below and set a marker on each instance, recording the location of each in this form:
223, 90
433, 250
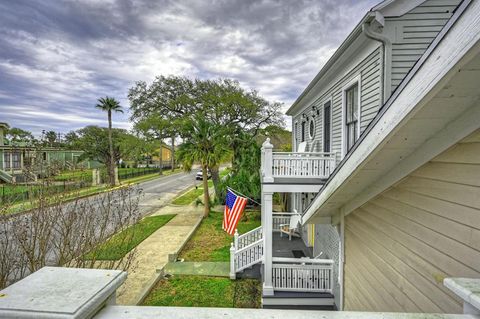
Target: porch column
11, 161
267, 161
267, 243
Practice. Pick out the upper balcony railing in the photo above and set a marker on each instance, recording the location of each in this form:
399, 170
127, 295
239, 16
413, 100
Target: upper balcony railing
295, 164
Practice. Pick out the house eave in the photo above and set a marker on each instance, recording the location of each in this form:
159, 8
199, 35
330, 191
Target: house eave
352, 178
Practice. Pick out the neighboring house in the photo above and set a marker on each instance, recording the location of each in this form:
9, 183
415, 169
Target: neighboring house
166, 156
386, 169
14, 158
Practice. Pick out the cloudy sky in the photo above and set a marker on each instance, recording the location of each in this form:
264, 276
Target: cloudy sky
58, 56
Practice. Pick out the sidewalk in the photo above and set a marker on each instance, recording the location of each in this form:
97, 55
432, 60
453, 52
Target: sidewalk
153, 252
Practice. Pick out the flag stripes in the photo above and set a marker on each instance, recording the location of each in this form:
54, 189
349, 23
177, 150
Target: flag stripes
234, 207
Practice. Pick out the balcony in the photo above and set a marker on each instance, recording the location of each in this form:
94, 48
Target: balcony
295, 167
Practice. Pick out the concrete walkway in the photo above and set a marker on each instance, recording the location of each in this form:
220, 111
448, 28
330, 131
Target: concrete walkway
199, 268
152, 253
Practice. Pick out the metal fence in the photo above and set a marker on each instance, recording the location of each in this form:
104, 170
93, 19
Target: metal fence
14, 194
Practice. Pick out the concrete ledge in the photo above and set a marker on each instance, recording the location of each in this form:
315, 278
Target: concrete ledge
55, 292
468, 289
124, 312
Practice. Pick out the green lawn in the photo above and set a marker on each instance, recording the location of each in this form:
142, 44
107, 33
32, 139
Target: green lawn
120, 244
211, 243
201, 291
188, 197
83, 174
8, 189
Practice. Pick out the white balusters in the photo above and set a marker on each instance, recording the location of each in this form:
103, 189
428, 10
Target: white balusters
291, 274
280, 219
248, 256
308, 165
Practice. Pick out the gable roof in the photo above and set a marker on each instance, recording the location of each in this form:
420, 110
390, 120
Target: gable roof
387, 8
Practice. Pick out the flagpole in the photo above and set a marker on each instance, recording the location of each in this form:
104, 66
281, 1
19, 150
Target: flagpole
244, 195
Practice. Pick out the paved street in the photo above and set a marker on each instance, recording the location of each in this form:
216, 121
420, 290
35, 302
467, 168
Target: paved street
69, 223
158, 192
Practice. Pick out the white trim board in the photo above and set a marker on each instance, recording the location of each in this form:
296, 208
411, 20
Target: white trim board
459, 45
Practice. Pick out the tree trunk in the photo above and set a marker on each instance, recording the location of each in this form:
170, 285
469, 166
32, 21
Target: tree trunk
173, 153
216, 179
206, 195
111, 169
160, 156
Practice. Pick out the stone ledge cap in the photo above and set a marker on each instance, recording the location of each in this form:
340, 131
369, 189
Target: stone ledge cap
57, 292
466, 288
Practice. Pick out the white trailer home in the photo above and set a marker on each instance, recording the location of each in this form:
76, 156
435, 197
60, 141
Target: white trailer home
385, 172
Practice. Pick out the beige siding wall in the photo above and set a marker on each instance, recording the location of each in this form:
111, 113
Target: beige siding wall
400, 245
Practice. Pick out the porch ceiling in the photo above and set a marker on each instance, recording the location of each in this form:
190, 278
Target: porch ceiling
438, 107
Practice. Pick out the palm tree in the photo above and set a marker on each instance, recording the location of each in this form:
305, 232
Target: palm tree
206, 145
109, 104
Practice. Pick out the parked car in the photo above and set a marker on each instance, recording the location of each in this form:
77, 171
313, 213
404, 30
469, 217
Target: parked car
199, 175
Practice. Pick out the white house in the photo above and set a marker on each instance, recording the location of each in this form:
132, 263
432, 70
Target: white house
386, 169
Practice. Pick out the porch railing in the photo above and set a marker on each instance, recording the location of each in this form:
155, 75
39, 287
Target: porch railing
245, 257
248, 238
308, 165
246, 250
295, 164
280, 219
302, 274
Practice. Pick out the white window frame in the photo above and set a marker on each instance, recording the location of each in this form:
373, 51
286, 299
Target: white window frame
331, 122
310, 135
350, 84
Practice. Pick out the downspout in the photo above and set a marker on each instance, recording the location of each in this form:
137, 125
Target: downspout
341, 260
387, 51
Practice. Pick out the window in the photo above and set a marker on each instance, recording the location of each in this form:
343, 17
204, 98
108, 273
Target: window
16, 160
327, 111
6, 160
311, 129
303, 132
351, 116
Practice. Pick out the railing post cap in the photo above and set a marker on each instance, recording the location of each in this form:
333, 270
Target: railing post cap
267, 144
236, 232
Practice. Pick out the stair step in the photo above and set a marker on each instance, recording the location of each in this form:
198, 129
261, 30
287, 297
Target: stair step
293, 300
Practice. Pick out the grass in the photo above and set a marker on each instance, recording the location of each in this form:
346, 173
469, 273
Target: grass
121, 243
200, 291
211, 243
188, 197
8, 189
84, 174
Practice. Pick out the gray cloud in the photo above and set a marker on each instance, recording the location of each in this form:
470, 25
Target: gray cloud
58, 57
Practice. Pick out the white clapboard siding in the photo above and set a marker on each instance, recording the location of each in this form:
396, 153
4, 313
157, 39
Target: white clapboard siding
419, 27
400, 245
369, 71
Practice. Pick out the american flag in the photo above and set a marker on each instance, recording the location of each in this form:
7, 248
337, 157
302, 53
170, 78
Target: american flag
234, 207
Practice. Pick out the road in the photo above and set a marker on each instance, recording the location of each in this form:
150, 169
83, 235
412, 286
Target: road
157, 192
46, 236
